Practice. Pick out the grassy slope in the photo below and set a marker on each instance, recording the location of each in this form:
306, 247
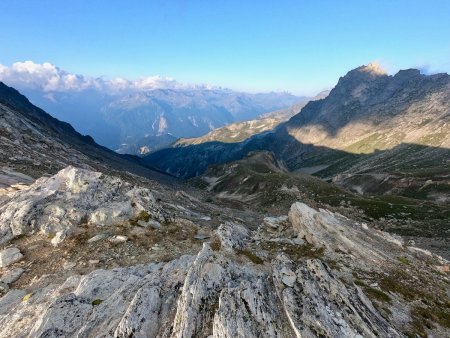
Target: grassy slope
257, 181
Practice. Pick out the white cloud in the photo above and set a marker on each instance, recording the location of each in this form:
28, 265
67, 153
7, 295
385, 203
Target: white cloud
49, 78
156, 82
46, 77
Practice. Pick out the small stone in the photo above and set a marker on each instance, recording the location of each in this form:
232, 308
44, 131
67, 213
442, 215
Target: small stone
93, 261
298, 241
364, 226
274, 222
374, 285
69, 265
150, 223
205, 218
443, 268
9, 256
201, 236
118, 239
289, 277
12, 275
59, 237
97, 238
289, 280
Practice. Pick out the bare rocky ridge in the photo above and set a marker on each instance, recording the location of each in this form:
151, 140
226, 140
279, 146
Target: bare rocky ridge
315, 273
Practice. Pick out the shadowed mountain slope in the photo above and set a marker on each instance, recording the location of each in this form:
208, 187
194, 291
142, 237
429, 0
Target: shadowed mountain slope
35, 143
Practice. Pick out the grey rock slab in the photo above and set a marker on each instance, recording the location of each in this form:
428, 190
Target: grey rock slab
232, 235
201, 236
150, 223
12, 275
275, 222
9, 256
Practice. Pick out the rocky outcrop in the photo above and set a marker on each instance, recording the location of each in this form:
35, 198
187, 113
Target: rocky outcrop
317, 303
55, 206
245, 285
336, 233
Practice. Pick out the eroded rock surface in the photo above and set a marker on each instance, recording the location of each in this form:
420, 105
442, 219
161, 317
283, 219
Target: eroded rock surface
246, 285
56, 205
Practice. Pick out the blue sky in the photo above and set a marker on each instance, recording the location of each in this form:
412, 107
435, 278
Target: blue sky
298, 46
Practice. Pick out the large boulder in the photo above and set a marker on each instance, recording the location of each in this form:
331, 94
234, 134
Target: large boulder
58, 204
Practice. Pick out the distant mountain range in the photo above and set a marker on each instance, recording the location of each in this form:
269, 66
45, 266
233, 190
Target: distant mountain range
373, 133
240, 131
139, 116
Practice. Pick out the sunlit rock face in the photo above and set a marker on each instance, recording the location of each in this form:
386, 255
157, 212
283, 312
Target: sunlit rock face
381, 109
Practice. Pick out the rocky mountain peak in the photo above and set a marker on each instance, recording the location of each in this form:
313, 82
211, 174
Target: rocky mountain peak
369, 72
356, 82
373, 68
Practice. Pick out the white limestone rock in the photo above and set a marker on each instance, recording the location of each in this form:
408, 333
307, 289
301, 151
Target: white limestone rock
118, 239
320, 304
150, 223
336, 233
288, 277
73, 196
97, 238
69, 265
232, 235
